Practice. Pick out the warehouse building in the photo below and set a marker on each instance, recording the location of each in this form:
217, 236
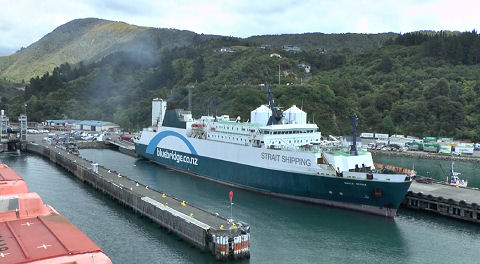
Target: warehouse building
94, 125
86, 125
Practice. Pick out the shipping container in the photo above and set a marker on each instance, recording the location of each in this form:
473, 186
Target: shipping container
381, 136
431, 147
447, 149
366, 135
462, 149
415, 146
430, 139
445, 140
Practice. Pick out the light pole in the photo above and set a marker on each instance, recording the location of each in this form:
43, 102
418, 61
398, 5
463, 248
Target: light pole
230, 194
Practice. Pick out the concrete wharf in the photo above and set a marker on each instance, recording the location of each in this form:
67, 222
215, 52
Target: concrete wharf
122, 146
203, 229
113, 142
443, 199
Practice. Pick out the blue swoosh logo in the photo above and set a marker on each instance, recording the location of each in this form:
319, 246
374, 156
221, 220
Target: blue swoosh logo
152, 146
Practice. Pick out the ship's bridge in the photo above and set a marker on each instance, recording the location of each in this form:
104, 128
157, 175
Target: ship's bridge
289, 135
290, 128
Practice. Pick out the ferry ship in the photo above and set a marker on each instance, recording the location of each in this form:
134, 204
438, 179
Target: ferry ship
275, 153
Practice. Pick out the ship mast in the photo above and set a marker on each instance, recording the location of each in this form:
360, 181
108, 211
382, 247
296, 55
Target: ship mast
353, 150
214, 110
277, 114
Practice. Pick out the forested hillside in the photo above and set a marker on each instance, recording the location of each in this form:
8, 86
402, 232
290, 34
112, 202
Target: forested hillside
330, 42
417, 84
9, 90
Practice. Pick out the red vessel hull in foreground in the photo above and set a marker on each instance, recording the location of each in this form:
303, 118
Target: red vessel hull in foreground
33, 232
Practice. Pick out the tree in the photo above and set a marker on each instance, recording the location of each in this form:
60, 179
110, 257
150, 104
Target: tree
439, 89
387, 124
386, 65
198, 66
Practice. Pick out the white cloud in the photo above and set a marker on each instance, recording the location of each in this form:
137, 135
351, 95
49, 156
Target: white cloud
443, 15
23, 22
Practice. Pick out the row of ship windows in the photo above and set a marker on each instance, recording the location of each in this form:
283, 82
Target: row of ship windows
290, 142
231, 128
245, 140
266, 132
229, 138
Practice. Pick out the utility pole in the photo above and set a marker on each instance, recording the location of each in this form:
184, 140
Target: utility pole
278, 74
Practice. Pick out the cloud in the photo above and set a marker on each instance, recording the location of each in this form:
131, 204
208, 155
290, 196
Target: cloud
5, 51
240, 18
443, 15
126, 7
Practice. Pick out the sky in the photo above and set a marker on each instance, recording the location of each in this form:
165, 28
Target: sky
23, 22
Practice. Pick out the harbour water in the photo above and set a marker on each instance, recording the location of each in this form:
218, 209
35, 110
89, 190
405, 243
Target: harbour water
282, 231
437, 169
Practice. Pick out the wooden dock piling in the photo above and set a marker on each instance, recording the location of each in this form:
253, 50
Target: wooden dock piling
443, 199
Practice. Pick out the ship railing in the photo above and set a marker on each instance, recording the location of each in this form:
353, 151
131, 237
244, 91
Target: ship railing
310, 149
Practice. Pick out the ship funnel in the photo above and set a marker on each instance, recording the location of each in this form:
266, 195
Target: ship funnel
353, 150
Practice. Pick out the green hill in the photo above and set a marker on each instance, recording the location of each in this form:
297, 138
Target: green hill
88, 40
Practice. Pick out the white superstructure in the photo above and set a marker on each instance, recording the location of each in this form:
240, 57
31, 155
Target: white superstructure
159, 106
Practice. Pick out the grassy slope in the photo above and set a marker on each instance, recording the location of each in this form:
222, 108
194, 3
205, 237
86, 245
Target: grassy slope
79, 40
